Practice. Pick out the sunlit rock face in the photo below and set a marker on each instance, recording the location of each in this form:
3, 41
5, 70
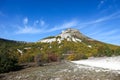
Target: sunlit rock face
68, 34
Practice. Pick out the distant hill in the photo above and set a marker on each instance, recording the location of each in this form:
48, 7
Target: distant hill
6, 44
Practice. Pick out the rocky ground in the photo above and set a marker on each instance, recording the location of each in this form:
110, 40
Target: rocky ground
62, 71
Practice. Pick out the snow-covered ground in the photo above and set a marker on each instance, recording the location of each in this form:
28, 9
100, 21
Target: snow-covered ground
110, 63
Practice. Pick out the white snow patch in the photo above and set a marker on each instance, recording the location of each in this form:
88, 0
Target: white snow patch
78, 40
48, 40
68, 39
59, 41
20, 51
111, 63
73, 39
66, 35
89, 46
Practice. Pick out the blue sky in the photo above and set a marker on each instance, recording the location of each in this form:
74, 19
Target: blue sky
32, 20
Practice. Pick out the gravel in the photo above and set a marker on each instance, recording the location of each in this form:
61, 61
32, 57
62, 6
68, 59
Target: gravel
64, 70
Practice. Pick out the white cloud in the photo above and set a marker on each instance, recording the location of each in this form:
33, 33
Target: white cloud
25, 21
101, 3
37, 30
28, 30
105, 35
109, 33
42, 22
40, 26
63, 26
102, 31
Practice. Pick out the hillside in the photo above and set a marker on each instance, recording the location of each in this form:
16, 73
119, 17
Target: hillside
74, 38
70, 44
10, 45
74, 35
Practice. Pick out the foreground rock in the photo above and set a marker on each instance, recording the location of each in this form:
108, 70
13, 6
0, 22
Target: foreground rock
61, 71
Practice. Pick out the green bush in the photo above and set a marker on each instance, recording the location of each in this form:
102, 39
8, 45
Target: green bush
8, 62
26, 58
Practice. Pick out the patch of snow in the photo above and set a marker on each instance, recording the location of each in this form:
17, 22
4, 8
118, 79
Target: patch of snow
73, 39
48, 40
59, 41
111, 63
64, 36
89, 46
78, 40
20, 51
27, 48
68, 39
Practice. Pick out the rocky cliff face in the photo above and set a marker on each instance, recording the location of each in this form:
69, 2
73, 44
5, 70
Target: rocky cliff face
68, 34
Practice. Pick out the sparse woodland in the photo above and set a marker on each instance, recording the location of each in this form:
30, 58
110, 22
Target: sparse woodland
41, 53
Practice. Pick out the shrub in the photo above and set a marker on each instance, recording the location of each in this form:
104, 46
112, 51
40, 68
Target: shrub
39, 59
71, 57
26, 58
8, 62
52, 57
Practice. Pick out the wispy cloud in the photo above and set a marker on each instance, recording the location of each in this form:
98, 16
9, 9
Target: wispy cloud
106, 35
101, 28
100, 20
101, 33
101, 4
63, 26
109, 33
42, 22
39, 27
28, 30
25, 21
